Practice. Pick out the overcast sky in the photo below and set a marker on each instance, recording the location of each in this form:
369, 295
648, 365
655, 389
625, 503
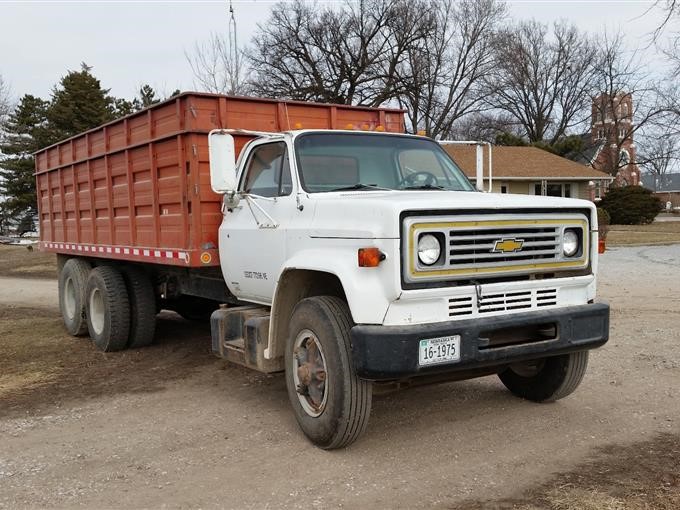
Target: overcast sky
129, 43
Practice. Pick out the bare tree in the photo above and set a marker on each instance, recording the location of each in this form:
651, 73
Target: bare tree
347, 54
629, 102
543, 78
5, 100
218, 65
659, 154
668, 26
485, 126
442, 74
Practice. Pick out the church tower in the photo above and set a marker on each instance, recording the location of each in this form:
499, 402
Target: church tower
612, 128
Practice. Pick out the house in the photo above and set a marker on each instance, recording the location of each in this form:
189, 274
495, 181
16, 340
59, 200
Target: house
666, 187
532, 171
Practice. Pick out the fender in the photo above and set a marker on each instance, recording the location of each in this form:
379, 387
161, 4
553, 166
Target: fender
368, 291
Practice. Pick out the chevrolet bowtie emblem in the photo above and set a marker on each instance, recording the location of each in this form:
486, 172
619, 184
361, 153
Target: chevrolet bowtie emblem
508, 245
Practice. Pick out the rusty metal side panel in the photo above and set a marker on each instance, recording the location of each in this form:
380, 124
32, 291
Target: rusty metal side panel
207, 205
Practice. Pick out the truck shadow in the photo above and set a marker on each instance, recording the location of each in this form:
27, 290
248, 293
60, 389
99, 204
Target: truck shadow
42, 367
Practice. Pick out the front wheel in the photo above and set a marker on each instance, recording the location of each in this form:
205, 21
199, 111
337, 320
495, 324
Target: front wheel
548, 379
331, 404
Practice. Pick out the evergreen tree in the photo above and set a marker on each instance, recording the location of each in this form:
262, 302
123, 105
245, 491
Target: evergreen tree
147, 96
79, 103
25, 132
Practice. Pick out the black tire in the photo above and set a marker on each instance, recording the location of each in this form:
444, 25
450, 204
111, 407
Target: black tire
548, 379
142, 307
108, 309
344, 414
72, 290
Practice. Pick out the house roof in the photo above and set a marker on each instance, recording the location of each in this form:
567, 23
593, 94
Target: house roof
522, 163
663, 183
589, 150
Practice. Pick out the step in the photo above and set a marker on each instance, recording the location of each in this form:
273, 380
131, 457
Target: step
240, 335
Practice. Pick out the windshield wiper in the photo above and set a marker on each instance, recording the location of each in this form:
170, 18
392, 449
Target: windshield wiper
425, 186
359, 186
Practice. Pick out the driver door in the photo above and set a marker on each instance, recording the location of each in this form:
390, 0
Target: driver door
253, 234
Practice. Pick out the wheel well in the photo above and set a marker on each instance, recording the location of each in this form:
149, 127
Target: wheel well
295, 285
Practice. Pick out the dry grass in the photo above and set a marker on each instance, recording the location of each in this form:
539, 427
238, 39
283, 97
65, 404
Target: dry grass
633, 235
20, 262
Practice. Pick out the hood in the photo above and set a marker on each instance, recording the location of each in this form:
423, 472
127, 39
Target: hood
375, 214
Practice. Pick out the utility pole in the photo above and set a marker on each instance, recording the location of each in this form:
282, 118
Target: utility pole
234, 56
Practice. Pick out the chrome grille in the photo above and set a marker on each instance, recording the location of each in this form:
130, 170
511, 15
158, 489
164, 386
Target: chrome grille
460, 306
474, 246
494, 245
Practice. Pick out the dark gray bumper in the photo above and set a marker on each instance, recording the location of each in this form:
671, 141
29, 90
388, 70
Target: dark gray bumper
391, 352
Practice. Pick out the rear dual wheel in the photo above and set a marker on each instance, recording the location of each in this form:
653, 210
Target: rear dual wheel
108, 309
117, 306
142, 307
72, 285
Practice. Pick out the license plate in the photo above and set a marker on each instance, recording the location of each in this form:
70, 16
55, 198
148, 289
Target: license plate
433, 351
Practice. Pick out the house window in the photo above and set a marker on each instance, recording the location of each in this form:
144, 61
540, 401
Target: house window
504, 188
554, 189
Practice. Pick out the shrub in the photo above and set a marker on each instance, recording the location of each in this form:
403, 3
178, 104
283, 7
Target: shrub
631, 205
603, 221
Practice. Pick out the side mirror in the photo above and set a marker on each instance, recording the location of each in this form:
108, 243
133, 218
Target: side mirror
222, 161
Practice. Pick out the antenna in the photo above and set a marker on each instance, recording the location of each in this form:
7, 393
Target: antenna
234, 63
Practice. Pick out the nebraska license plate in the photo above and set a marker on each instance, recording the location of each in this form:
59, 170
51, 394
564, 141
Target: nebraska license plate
433, 351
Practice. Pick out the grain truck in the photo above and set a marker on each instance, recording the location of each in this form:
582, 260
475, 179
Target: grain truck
321, 241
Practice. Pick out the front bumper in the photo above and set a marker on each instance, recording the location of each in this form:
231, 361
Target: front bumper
391, 352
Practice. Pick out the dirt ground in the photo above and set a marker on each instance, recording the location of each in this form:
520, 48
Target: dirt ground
171, 426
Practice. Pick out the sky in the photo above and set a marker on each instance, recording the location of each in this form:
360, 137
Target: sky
129, 43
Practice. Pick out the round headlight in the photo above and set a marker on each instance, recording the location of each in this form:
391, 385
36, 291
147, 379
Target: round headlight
428, 249
569, 243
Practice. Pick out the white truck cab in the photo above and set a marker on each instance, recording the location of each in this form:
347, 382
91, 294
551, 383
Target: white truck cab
366, 259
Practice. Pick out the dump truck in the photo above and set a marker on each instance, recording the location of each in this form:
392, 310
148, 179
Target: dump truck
321, 241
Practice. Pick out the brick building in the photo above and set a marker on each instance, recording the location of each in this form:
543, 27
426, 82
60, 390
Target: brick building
610, 145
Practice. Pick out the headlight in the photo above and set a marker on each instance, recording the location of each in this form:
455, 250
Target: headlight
429, 249
570, 242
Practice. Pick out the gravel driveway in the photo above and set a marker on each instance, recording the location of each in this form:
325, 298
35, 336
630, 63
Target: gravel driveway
171, 426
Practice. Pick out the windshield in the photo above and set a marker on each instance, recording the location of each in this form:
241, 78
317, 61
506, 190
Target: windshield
361, 161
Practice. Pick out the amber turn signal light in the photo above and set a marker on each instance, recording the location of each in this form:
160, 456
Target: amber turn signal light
370, 257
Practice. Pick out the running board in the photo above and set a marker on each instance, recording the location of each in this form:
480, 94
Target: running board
240, 335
